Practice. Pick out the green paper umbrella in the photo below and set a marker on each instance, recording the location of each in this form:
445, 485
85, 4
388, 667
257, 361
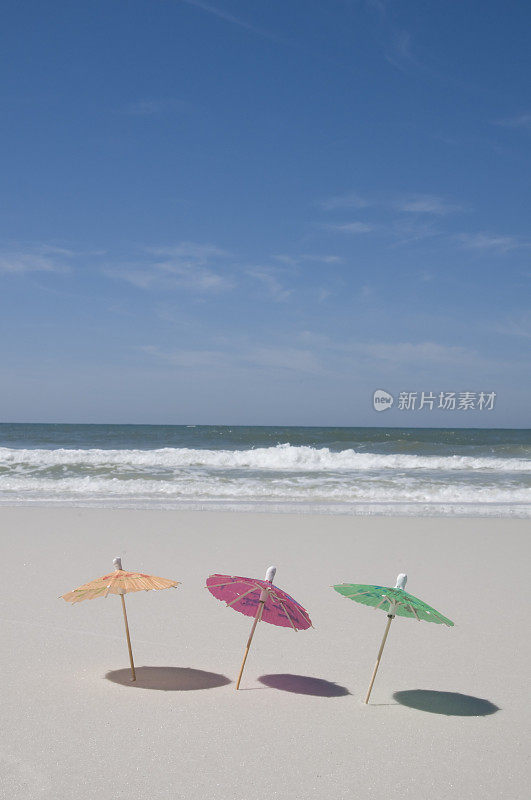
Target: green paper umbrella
394, 602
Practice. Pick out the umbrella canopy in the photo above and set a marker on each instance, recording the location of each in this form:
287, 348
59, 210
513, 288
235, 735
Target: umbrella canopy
261, 600
394, 601
245, 595
404, 604
119, 582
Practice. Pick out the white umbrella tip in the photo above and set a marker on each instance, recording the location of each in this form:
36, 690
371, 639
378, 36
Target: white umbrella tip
401, 581
270, 574
117, 563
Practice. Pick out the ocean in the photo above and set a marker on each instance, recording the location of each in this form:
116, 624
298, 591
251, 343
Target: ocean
406, 471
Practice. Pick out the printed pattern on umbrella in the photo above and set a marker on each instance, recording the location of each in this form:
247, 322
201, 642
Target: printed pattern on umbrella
405, 604
243, 594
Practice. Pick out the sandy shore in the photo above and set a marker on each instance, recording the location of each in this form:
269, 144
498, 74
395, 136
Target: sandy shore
74, 727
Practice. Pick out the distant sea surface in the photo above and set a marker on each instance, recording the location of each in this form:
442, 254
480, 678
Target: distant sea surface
465, 472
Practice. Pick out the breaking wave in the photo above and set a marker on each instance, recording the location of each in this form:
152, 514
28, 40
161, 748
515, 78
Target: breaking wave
281, 477
283, 457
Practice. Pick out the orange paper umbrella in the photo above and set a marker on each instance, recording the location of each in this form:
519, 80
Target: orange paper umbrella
119, 582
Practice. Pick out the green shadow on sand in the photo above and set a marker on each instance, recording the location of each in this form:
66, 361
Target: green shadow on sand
452, 704
168, 679
303, 684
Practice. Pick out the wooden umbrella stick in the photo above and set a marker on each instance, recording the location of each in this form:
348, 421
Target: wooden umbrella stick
128, 640
250, 639
380, 651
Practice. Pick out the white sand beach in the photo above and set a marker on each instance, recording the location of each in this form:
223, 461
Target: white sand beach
449, 711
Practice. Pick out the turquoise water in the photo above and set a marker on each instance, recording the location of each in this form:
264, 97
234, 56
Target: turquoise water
330, 470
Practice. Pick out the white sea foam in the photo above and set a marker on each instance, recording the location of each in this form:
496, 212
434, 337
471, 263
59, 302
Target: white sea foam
284, 476
253, 489
283, 457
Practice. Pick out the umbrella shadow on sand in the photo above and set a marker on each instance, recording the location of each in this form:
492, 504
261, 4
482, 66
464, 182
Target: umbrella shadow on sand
303, 684
168, 679
452, 704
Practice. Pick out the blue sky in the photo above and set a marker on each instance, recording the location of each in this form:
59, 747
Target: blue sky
258, 213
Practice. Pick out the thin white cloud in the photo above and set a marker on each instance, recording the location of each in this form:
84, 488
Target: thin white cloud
353, 227
393, 352
150, 107
188, 265
230, 18
323, 293
293, 261
314, 353
56, 251
289, 261
378, 5
489, 242
290, 358
173, 276
141, 278
398, 47
425, 204
187, 358
406, 231
350, 200
199, 252
520, 121
413, 217
192, 276
270, 281
408, 203
516, 326
398, 51
323, 259
247, 357
409, 352
43, 259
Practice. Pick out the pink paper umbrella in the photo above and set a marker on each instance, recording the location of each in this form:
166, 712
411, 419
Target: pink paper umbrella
261, 600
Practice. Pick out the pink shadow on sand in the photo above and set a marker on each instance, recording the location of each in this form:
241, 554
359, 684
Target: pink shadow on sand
303, 684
